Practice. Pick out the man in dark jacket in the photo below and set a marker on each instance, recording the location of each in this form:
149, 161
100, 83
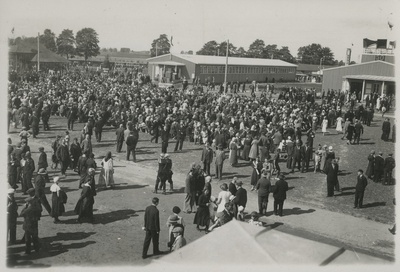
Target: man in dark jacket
164, 139
120, 137
378, 167
31, 213
42, 162
385, 129
72, 114
35, 125
307, 151
152, 228
240, 197
12, 214
360, 188
263, 188
180, 134
388, 170
298, 155
40, 185
207, 157
98, 129
63, 157
358, 130
75, 152
82, 169
131, 143
281, 187
331, 176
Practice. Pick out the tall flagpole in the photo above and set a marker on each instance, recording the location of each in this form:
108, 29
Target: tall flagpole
226, 65
38, 54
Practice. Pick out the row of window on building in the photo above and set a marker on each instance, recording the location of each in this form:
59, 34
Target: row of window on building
205, 69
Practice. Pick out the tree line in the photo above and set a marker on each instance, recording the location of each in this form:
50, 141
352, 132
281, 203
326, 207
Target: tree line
84, 44
310, 54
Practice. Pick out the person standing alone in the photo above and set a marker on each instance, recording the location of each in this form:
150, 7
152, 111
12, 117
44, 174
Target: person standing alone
152, 228
360, 188
281, 187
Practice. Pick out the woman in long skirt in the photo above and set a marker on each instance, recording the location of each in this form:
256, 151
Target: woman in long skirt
57, 204
106, 177
339, 121
324, 125
254, 149
323, 157
233, 160
84, 207
202, 217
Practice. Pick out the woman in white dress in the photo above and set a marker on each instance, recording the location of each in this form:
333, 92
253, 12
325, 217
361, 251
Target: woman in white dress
223, 197
339, 122
324, 125
106, 177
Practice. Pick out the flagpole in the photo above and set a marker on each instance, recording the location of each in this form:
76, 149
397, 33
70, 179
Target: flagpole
38, 53
226, 65
156, 49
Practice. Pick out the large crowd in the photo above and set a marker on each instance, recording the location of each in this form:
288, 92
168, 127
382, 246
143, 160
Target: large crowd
259, 129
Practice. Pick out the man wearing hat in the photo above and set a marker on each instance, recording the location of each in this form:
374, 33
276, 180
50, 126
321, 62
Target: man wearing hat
17, 157
388, 169
120, 137
42, 162
31, 213
358, 130
54, 146
63, 156
40, 184
263, 188
161, 173
219, 161
131, 143
360, 188
378, 167
169, 172
298, 155
12, 214
180, 134
281, 187
179, 240
331, 171
164, 138
207, 157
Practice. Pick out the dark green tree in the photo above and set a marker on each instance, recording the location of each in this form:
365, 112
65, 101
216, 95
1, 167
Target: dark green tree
232, 50
240, 52
66, 43
315, 54
271, 51
210, 49
285, 55
87, 43
256, 49
48, 39
163, 46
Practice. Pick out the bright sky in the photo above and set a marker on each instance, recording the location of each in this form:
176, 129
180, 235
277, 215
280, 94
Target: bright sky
336, 24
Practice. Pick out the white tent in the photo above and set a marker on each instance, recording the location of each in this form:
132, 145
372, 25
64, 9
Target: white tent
238, 243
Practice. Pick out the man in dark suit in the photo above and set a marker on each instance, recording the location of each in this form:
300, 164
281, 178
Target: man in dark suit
207, 157
152, 228
281, 187
164, 139
385, 130
120, 137
263, 188
240, 197
307, 150
180, 134
72, 115
360, 188
358, 130
331, 176
388, 170
264, 144
298, 154
378, 167
131, 143
232, 186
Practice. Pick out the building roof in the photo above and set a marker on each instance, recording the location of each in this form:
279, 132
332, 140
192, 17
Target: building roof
218, 60
27, 46
49, 57
359, 64
371, 77
311, 67
169, 62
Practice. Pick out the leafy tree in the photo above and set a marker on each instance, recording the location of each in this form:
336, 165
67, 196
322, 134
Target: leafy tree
48, 39
271, 51
66, 43
125, 50
87, 43
285, 55
256, 49
163, 46
314, 53
106, 62
190, 52
104, 50
210, 49
232, 51
240, 52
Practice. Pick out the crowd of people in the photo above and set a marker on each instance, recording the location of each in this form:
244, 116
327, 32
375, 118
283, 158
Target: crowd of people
259, 130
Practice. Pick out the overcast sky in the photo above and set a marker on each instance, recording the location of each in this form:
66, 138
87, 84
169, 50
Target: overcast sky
135, 24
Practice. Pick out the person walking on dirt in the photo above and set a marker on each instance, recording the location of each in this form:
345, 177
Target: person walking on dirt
152, 228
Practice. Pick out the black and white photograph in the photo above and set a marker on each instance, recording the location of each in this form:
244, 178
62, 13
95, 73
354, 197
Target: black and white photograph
200, 134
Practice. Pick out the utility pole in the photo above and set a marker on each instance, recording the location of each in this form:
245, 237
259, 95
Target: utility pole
38, 54
226, 65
